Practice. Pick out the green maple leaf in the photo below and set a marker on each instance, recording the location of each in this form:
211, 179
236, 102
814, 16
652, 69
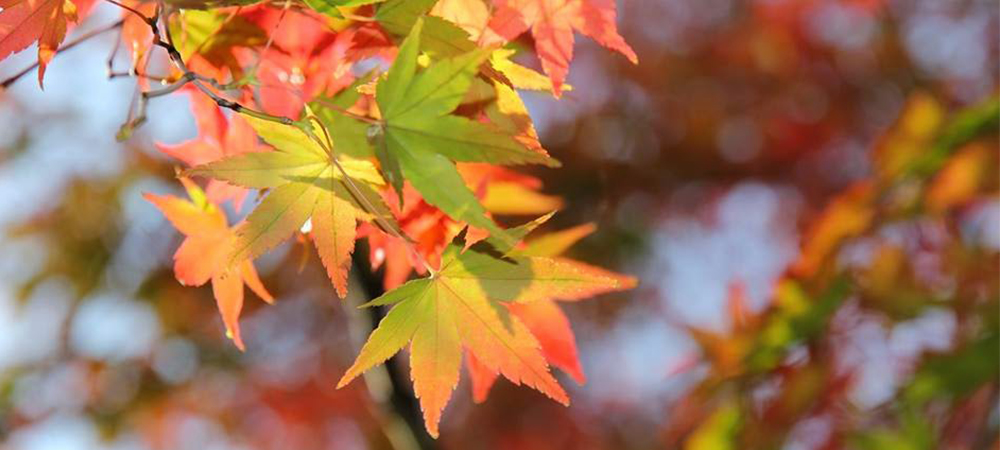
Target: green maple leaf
399, 16
461, 305
438, 36
418, 137
306, 181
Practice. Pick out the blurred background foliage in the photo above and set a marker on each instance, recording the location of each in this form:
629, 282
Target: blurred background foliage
808, 190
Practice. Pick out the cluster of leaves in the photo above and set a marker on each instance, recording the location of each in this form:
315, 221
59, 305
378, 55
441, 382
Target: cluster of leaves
413, 154
931, 173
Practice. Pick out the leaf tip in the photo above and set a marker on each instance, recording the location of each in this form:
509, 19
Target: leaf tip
557, 88
237, 340
630, 54
627, 282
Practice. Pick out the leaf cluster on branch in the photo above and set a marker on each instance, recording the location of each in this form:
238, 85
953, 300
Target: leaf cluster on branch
410, 157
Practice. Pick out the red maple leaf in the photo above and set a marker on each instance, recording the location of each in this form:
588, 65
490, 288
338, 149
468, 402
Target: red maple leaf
23, 22
306, 59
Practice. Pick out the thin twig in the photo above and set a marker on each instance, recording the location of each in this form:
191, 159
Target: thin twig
110, 64
144, 97
9, 81
137, 74
216, 84
178, 61
165, 41
129, 9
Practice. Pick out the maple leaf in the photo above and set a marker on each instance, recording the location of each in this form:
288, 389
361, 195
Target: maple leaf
306, 182
218, 138
418, 138
462, 305
543, 316
203, 255
305, 60
552, 23
470, 15
23, 22
440, 315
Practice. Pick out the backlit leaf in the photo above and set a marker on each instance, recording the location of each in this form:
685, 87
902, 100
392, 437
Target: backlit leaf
203, 256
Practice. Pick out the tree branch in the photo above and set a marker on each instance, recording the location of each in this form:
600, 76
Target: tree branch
387, 384
165, 41
403, 405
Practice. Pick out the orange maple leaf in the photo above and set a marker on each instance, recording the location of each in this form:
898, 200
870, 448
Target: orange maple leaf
550, 326
204, 254
552, 23
542, 315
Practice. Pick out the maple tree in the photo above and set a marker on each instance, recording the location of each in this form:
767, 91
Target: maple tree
412, 152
